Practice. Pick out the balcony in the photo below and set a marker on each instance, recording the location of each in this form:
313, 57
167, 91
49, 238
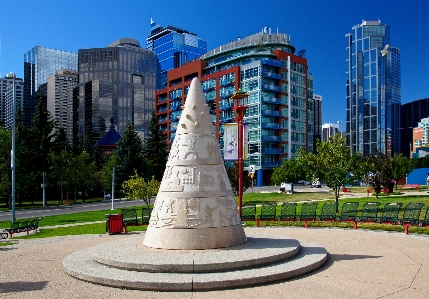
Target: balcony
272, 151
225, 82
271, 87
273, 126
162, 109
175, 105
162, 98
273, 101
223, 105
162, 119
271, 75
226, 94
271, 164
225, 119
271, 62
269, 138
268, 112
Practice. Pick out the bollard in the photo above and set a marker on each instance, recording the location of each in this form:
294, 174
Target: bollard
305, 224
258, 222
355, 224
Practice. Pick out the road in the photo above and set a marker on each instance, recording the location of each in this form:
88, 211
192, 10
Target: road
107, 204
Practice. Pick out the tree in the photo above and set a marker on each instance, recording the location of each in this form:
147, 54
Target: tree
402, 166
290, 171
59, 170
61, 143
332, 164
5, 171
82, 174
43, 124
156, 150
137, 188
129, 155
232, 173
379, 171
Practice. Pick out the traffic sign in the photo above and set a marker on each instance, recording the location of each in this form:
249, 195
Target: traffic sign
252, 169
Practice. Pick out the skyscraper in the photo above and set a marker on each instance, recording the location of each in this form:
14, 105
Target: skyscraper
6, 99
60, 99
373, 89
173, 47
317, 112
119, 82
39, 64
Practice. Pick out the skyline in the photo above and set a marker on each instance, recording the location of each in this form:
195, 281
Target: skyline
321, 32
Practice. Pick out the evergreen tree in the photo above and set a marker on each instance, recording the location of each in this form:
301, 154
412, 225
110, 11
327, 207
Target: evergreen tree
129, 156
43, 124
156, 149
61, 143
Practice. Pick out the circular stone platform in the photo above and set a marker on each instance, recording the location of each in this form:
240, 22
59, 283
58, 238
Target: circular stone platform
126, 263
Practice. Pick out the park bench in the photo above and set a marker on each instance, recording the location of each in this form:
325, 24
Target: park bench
410, 186
425, 221
146, 215
347, 190
328, 212
288, 211
349, 212
369, 212
268, 213
308, 212
129, 218
390, 213
23, 226
372, 190
411, 215
248, 212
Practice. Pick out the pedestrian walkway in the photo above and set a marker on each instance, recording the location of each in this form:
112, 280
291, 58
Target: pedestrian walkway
361, 264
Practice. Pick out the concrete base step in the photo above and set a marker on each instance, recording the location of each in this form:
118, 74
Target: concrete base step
128, 264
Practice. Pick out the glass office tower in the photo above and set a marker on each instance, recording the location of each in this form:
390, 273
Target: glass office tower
173, 47
373, 90
119, 82
39, 64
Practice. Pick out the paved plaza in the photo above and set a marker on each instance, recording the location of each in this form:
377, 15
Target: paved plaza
361, 264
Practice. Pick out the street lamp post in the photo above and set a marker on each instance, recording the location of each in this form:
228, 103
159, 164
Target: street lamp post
113, 188
240, 107
12, 153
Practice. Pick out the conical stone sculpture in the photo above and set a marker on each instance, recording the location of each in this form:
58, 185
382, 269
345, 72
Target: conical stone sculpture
195, 207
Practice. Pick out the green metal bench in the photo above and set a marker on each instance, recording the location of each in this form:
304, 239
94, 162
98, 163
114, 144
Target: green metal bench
369, 212
328, 212
288, 211
308, 212
268, 212
390, 213
146, 215
17, 227
425, 221
349, 211
129, 218
248, 212
412, 213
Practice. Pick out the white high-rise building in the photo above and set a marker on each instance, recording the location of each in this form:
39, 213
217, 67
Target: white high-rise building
6, 99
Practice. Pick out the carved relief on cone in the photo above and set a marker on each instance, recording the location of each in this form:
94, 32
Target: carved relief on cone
195, 206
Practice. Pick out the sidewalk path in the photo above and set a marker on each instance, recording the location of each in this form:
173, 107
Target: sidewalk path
361, 264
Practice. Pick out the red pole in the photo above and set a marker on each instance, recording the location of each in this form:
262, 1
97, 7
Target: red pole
240, 162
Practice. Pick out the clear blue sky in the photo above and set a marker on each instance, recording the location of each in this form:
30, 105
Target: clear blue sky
318, 26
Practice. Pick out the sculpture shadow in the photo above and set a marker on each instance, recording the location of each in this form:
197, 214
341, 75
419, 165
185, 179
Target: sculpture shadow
22, 286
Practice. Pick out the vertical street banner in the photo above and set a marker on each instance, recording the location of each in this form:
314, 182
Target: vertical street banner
230, 139
245, 141
230, 142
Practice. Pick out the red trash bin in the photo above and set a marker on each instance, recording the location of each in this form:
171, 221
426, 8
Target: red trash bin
114, 223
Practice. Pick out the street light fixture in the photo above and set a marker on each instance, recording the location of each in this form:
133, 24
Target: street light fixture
12, 153
240, 107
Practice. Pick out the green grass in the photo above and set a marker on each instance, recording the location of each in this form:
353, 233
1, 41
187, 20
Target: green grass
7, 243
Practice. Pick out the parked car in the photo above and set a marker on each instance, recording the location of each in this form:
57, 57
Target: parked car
304, 182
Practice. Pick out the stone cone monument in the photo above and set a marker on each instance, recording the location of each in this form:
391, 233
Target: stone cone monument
195, 206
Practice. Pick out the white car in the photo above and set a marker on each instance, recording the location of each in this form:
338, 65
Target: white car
316, 184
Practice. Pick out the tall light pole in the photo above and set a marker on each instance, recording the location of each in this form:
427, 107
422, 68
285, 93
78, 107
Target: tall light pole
240, 108
113, 188
12, 152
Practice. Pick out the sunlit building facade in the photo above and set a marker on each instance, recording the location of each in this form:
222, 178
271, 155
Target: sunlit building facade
6, 99
118, 81
279, 111
39, 64
373, 90
59, 100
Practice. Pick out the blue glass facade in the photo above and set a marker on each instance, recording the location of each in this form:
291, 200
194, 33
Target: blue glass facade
373, 90
173, 47
39, 64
